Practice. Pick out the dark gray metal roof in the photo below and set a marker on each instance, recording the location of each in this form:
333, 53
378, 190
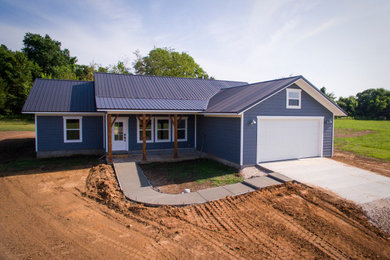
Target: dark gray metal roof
128, 92
237, 99
51, 95
150, 104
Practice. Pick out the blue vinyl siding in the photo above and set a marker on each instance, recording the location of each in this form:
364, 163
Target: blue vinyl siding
50, 133
276, 106
219, 136
134, 146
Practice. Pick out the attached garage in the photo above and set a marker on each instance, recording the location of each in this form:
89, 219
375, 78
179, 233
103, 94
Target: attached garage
283, 138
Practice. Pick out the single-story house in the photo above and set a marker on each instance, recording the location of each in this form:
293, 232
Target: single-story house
239, 123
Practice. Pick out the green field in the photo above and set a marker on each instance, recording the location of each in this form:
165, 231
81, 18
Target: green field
16, 125
372, 137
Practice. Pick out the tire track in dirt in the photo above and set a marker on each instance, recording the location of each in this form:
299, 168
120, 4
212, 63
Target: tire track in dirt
276, 214
99, 237
311, 237
327, 207
273, 246
210, 234
57, 221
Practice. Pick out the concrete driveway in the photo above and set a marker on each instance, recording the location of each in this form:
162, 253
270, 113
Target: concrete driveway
355, 184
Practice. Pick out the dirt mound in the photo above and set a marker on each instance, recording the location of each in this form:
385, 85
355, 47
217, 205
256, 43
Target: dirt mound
102, 186
289, 221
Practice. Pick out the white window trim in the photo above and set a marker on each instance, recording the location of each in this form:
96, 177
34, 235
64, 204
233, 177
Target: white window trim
156, 130
139, 140
299, 98
80, 118
185, 129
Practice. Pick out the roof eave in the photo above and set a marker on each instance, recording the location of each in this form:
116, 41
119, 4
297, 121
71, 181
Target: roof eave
311, 90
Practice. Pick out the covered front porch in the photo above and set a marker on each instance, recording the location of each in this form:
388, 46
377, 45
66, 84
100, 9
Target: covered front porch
150, 137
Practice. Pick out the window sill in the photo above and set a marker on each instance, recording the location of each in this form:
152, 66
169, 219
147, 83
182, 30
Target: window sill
73, 141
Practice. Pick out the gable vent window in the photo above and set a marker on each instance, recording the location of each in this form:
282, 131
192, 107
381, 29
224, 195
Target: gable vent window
72, 129
293, 98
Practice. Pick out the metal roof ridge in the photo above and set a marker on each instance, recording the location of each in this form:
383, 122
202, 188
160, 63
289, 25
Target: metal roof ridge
153, 98
298, 76
153, 76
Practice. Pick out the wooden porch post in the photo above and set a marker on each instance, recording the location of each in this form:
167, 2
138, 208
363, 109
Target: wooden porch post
109, 139
144, 137
175, 119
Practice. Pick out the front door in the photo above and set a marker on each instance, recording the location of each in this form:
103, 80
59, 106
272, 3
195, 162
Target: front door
119, 134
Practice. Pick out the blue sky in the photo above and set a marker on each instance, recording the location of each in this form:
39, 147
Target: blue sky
342, 45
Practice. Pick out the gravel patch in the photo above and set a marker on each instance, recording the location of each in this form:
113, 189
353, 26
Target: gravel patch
378, 212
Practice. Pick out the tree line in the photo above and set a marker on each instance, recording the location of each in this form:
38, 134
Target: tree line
373, 103
43, 57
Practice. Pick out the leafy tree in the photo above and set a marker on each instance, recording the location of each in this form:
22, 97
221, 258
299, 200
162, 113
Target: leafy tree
84, 72
167, 62
61, 72
16, 78
374, 104
119, 68
329, 95
47, 53
349, 105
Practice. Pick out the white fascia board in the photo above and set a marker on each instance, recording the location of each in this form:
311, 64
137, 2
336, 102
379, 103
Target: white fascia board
303, 84
149, 111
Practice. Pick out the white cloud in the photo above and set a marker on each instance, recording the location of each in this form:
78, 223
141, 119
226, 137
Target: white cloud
256, 40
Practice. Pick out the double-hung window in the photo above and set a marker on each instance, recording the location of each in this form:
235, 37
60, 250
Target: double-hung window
148, 131
73, 130
162, 129
293, 98
181, 130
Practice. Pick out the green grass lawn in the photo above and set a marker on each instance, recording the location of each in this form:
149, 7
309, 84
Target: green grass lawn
200, 170
373, 144
16, 125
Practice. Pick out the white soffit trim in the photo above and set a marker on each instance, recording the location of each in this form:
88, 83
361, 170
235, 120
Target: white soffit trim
319, 97
312, 92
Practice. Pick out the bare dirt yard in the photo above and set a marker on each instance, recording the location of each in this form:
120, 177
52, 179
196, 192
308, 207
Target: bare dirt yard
79, 213
56, 215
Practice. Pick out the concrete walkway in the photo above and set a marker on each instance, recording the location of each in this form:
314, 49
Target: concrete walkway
136, 187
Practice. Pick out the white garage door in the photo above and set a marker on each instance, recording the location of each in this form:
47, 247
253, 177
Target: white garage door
282, 138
